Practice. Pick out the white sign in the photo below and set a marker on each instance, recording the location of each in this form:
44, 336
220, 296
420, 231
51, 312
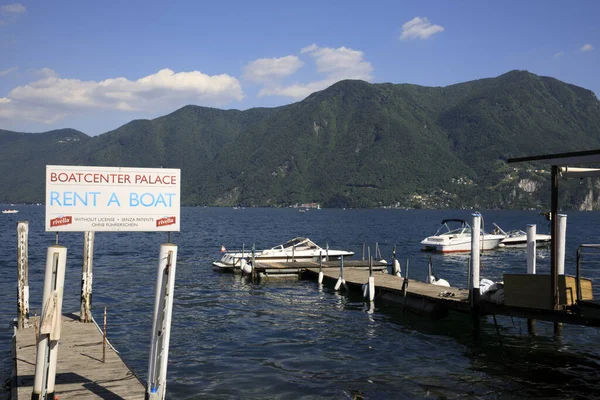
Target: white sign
81, 198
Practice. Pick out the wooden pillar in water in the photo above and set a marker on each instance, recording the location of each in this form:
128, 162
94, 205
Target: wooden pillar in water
22, 273
86, 277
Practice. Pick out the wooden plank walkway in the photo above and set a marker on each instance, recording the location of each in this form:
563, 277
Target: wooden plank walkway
420, 297
81, 374
296, 267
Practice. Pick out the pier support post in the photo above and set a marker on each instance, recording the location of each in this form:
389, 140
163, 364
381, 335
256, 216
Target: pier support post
562, 238
560, 260
531, 249
22, 274
371, 281
341, 281
475, 265
531, 261
320, 280
156, 387
47, 345
86, 277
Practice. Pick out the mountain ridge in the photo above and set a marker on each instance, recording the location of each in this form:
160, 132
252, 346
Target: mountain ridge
353, 144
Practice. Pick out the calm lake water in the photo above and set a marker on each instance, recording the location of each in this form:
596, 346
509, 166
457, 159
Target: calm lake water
293, 339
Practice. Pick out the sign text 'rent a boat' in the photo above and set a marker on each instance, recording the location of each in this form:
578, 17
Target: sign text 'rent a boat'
81, 198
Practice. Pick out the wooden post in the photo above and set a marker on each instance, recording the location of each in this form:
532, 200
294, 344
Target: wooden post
22, 274
50, 326
104, 338
86, 277
156, 385
531, 261
475, 264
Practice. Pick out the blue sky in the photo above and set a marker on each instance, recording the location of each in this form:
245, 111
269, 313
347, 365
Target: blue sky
95, 66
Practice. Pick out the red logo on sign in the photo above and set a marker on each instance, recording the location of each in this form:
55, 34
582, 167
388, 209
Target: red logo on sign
61, 221
165, 221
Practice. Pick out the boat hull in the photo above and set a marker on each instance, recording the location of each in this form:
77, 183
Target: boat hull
459, 245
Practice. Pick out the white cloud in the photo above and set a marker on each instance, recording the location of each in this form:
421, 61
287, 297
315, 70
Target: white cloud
8, 71
335, 64
559, 54
587, 47
419, 28
52, 98
265, 70
13, 8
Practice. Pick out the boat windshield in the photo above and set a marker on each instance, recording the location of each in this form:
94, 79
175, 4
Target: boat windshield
299, 243
453, 227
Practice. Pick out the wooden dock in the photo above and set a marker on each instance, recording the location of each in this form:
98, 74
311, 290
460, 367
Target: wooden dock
80, 374
423, 298
436, 301
296, 268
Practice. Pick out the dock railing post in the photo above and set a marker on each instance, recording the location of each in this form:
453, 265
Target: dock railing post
156, 387
531, 261
475, 265
22, 274
86, 277
49, 335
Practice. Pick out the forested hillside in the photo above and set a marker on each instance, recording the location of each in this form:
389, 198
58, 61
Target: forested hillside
354, 144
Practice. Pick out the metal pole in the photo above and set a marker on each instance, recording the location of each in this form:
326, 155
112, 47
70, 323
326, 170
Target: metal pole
161, 328
475, 265
531, 249
86, 277
49, 335
562, 238
23, 274
371, 281
104, 338
554, 239
531, 261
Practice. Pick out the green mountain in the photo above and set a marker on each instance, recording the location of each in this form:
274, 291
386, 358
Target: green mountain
354, 144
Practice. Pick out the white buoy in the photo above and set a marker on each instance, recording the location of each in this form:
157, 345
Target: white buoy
439, 282
371, 288
246, 268
339, 283
397, 270
365, 290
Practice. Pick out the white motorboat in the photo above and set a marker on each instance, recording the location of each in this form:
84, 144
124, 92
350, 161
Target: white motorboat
297, 249
518, 238
454, 235
9, 211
